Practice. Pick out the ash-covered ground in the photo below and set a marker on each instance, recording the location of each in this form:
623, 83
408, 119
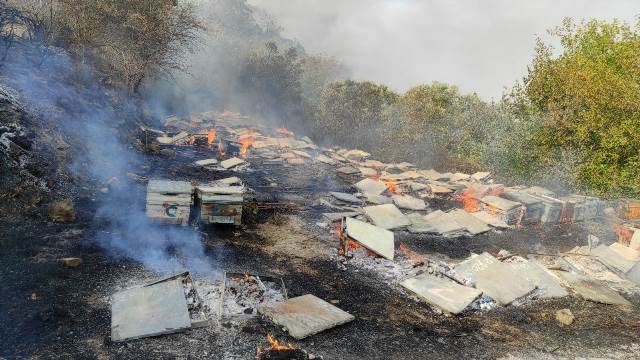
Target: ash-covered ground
50, 311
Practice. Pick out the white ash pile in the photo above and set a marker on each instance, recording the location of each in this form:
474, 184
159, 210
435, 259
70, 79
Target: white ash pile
243, 293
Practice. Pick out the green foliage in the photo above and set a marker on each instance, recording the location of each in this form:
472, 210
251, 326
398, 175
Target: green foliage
435, 125
270, 81
351, 113
317, 71
590, 96
129, 41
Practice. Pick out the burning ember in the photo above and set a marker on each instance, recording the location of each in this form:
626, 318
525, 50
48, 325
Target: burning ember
278, 350
393, 187
469, 202
275, 344
347, 245
285, 132
246, 140
470, 196
410, 254
211, 136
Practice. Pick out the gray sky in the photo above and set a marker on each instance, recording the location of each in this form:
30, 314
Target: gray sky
480, 45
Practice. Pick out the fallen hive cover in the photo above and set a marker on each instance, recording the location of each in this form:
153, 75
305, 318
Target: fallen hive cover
305, 315
148, 311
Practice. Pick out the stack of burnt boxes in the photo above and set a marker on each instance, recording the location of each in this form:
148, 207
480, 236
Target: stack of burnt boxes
172, 202
536, 205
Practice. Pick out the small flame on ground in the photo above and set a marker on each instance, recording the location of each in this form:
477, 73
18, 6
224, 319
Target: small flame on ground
469, 202
274, 344
246, 140
285, 132
393, 187
345, 243
211, 137
191, 140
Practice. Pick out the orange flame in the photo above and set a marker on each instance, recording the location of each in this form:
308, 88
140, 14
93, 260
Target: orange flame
393, 187
285, 132
211, 136
276, 345
469, 202
191, 140
492, 209
246, 140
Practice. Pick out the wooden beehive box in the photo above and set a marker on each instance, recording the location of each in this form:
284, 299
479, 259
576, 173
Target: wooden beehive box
533, 206
220, 204
629, 209
553, 208
506, 210
169, 202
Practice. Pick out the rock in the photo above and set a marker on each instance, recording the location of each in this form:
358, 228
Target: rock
565, 317
62, 211
71, 261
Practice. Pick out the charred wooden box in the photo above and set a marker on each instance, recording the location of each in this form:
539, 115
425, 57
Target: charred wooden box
169, 202
506, 210
553, 209
220, 204
533, 207
629, 209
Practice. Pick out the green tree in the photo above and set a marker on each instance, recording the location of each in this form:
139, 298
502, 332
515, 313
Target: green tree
590, 97
351, 113
270, 82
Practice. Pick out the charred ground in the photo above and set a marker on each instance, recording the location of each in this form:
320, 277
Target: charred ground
54, 312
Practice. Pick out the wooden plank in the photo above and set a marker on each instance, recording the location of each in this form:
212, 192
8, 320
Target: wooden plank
180, 199
169, 187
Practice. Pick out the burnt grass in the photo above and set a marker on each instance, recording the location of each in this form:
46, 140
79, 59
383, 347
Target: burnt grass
69, 316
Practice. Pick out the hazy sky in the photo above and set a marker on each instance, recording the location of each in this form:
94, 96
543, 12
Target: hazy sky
480, 45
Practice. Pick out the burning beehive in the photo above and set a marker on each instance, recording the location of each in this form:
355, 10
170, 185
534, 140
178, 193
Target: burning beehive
220, 203
169, 202
507, 210
533, 208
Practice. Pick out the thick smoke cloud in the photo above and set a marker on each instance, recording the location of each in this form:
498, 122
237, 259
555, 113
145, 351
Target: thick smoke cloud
70, 97
482, 46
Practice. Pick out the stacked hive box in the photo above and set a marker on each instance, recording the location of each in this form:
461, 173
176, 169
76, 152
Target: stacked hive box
169, 202
533, 207
220, 204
